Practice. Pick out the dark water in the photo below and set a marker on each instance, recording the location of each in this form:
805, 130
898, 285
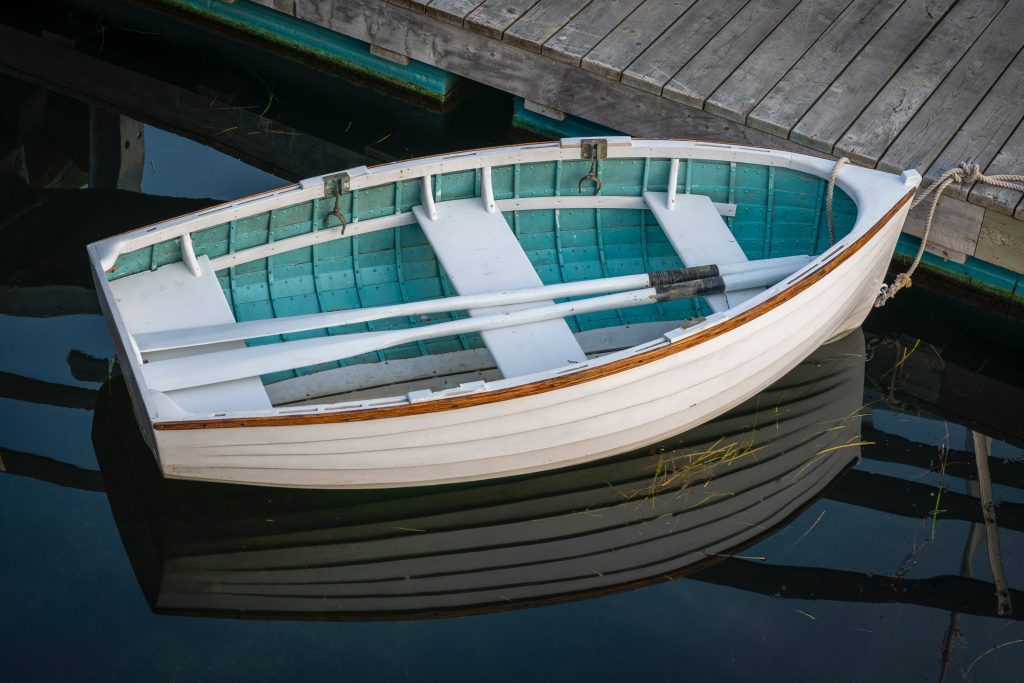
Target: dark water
854, 548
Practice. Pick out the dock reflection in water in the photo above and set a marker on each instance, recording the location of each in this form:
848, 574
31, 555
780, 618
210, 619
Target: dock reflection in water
614, 525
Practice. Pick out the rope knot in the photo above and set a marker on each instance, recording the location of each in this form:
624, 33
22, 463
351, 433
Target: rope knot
965, 172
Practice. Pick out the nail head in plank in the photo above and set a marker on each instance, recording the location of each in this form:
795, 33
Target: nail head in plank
904, 94
965, 86
683, 39
768, 63
452, 11
633, 36
843, 101
493, 17
574, 40
712, 65
542, 21
791, 97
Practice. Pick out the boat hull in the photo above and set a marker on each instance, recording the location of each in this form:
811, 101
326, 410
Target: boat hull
622, 410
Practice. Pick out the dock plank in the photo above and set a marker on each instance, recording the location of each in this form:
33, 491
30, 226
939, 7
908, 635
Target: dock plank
881, 122
679, 43
959, 93
630, 38
988, 128
527, 74
843, 101
587, 29
414, 5
542, 21
493, 17
770, 61
1009, 160
794, 95
727, 50
454, 11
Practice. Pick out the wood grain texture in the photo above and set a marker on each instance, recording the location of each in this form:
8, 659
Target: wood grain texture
587, 29
956, 226
991, 123
843, 101
770, 61
555, 383
794, 95
1010, 159
1002, 241
454, 11
712, 65
415, 5
881, 122
632, 36
952, 102
545, 18
494, 16
677, 45
527, 74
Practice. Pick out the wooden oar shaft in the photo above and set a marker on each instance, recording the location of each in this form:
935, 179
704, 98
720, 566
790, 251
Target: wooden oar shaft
212, 334
223, 366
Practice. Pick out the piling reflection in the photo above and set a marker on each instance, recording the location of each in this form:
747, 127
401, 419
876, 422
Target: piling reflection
610, 526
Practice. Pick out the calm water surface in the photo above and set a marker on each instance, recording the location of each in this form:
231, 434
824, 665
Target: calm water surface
830, 529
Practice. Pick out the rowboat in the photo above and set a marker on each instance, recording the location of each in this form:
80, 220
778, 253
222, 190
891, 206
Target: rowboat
487, 313
603, 527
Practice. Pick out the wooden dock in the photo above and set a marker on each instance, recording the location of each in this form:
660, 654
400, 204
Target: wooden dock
891, 84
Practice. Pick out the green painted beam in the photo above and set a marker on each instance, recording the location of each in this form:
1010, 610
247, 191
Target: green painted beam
321, 43
973, 273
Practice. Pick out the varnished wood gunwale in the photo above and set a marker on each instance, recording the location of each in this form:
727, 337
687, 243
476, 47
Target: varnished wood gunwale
553, 383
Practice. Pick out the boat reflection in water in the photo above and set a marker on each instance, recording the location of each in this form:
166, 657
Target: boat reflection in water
613, 525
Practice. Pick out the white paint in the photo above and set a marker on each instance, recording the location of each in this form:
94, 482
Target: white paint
537, 430
673, 180
487, 190
427, 198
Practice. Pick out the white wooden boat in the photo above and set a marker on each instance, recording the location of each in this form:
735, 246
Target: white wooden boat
602, 527
487, 313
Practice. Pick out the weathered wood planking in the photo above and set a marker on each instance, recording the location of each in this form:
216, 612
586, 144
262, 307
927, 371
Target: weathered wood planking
712, 65
415, 5
952, 102
454, 11
534, 28
1001, 241
770, 61
1010, 159
590, 26
905, 93
494, 16
842, 102
676, 46
794, 95
632, 36
989, 127
562, 87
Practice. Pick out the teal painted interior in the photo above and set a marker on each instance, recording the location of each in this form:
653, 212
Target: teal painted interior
779, 212
309, 38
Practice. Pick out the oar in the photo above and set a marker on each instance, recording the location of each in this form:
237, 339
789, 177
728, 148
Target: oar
224, 366
252, 329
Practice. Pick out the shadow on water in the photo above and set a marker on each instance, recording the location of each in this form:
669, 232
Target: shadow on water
834, 527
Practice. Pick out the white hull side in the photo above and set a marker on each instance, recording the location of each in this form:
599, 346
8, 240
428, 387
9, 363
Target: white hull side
606, 416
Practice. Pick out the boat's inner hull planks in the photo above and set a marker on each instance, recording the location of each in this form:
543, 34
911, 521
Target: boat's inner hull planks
778, 212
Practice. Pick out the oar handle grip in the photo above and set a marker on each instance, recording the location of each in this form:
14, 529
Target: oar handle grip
663, 278
690, 288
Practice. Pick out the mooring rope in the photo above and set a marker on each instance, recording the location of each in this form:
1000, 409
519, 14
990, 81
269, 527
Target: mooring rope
964, 172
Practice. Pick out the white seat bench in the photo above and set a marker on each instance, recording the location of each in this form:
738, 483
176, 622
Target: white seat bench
173, 298
700, 237
480, 254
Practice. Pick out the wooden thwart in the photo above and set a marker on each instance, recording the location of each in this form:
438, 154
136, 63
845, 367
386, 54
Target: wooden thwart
480, 254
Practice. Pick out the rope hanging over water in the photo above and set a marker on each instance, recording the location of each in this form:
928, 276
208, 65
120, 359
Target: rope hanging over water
965, 172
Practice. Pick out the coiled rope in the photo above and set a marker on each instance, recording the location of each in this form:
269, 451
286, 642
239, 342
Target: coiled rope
965, 172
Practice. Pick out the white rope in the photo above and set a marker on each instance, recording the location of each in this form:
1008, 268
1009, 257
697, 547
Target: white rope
828, 198
964, 172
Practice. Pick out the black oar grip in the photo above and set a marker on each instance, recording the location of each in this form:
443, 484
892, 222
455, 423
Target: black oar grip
691, 288
662, 278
